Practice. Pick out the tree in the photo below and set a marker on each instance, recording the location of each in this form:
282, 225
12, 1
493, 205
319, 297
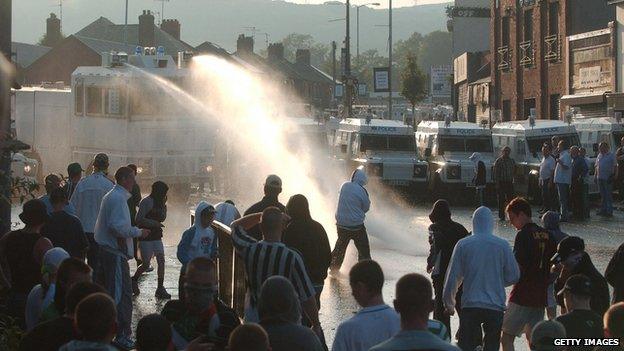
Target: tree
413, 84
51, 40
319, 52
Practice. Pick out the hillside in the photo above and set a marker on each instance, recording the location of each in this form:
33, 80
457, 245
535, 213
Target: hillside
220, 21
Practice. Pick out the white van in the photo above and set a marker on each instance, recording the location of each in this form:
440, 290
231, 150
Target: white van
525, 141
385, 148
447, 148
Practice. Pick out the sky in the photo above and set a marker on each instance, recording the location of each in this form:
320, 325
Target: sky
384, 3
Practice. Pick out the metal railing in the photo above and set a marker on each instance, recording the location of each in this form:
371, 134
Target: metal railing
552, 45
527, 54
230, 269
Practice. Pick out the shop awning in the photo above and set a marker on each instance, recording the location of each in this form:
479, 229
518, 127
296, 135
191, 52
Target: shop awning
583, 99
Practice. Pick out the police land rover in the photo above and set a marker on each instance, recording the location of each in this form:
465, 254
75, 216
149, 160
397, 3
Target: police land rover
447, 146
525, 138
592, 132
385, 149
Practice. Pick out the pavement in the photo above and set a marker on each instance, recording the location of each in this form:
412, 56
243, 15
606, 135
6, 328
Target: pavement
602, 237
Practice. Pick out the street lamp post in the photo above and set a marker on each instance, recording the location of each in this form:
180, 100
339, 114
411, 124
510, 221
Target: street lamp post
390, 60
357, 8
347, 80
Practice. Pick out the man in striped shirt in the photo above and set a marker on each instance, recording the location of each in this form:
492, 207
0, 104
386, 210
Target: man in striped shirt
270, 257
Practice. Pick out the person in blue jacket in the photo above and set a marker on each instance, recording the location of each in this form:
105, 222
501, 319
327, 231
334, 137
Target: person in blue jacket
200, 240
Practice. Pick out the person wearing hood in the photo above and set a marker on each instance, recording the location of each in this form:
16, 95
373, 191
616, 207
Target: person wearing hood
272, 189
96, 333
309, 238
353, 203
52, 182
484, 265
42, 295
200, 240
280, 315
21, 256
151, 215
571, 259
201, 314
550, 220
479, 179
226, 212
114, 233
444, 233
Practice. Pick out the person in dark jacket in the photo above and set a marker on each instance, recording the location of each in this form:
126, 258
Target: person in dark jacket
133, 203
63, 229
309, 238
479, 179
579, 172
152, 213
572, 259
272, 189
444, 234
615, 274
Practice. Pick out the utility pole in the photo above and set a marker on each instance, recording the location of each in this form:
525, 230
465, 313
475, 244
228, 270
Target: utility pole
333, 44
390, 60
347, 79
357, 20
126, 26
5, 118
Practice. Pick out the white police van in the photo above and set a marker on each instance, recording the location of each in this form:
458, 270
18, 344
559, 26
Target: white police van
385, 148
525, 138
592, 132
447, 146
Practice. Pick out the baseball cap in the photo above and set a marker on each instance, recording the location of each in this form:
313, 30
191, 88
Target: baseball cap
52, 179
273, 181
577, 284
566, 247
34, 212
544, 333
100, 160
74, 168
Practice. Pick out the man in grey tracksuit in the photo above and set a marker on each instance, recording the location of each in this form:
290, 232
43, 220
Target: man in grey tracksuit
353, 204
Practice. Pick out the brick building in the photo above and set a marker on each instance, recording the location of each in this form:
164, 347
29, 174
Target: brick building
529, 42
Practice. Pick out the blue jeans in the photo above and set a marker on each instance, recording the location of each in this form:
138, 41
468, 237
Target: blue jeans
471, 334
564, 200
606, 193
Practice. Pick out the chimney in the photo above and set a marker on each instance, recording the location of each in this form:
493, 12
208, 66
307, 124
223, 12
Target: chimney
303, 57
146, 29
244, 44
276, 52
171, 26
53, 30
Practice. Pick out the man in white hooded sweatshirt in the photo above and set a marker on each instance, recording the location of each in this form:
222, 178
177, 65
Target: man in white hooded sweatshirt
353, 204
485, 264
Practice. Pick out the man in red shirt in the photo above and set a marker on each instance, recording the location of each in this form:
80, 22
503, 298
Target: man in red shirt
533, 248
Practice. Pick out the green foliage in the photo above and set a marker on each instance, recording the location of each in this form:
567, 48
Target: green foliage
10, 333
51, 41
413, 82
319, 52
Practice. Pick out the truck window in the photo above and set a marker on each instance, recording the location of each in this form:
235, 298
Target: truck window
479, 144
373, 142
401, 143
79, 98
94, 100
115, 101
451, 144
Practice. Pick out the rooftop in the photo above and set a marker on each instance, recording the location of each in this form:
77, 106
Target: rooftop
26, 54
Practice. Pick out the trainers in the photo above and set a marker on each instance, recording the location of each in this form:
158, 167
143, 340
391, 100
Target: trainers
149, 269
135, 287
162, 293
124, 342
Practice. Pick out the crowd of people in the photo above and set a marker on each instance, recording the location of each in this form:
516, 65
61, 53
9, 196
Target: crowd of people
564, 176
70, 285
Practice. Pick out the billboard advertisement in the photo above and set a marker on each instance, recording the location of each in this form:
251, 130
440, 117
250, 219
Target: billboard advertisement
441, 81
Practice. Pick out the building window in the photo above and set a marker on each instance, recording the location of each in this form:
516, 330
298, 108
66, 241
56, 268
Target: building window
528, 25
528, 105
94, 100
554, 106
553, 18
506, 110
79, 98
505, 31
